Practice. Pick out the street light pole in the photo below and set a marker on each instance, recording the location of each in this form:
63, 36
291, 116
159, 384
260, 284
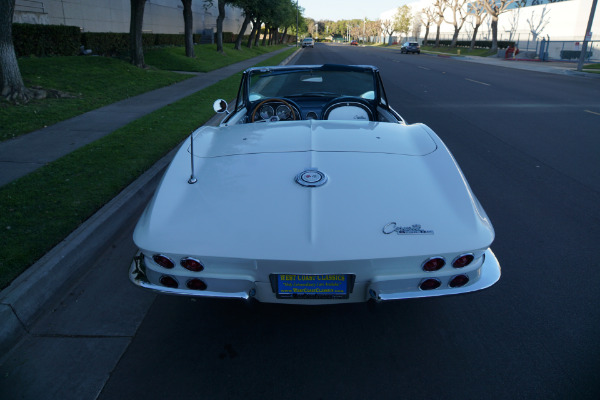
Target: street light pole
588, 33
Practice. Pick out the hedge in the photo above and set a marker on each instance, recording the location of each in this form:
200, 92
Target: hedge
113, 44
486, 44
574, 54
46, 40
61, 40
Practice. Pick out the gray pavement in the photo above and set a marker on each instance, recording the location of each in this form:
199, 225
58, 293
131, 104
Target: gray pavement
38, 290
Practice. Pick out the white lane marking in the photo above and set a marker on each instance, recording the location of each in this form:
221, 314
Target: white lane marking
481, 83
427, 69
591, 112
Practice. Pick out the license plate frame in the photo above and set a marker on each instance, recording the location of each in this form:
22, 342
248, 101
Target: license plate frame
312, 286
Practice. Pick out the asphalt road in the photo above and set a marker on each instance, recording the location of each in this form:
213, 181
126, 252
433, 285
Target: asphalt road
528, 144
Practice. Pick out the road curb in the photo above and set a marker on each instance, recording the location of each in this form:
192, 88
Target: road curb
38, 288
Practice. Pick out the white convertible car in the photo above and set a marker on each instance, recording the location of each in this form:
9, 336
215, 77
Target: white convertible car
313, 190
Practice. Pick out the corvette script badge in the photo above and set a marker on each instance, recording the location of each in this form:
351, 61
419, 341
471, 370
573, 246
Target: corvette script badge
405, 230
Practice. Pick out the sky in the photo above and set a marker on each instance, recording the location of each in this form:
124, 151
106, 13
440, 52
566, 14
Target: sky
336, 10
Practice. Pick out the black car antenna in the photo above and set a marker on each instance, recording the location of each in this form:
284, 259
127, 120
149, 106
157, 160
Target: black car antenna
192, 179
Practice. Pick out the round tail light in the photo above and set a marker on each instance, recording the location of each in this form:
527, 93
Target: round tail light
463, 260
433, 264
196, 284
430, 284
163, 261
191, 264
169, 281
458, 281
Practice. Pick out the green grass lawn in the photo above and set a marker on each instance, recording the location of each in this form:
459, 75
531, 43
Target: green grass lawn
207, 58
94, 81
98, 81
464, 51
593, 68
42, 208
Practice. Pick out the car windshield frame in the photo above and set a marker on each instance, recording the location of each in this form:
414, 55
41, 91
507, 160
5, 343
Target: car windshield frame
325, 81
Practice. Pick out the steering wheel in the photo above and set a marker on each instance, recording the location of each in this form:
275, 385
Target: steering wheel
349, 108
273, 107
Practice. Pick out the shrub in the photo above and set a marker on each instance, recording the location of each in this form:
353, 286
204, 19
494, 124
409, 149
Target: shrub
106, 43
114, 44
486, 44
574, 54
46, 40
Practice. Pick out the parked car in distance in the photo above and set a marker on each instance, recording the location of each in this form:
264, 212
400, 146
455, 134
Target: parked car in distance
308, 42
410, 47
354, 43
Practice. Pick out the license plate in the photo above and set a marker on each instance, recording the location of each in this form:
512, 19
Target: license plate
335, 286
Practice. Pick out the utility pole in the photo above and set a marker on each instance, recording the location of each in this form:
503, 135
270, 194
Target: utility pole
297, 12
588, 36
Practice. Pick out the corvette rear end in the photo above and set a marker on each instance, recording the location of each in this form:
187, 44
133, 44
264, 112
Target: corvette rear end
315, 212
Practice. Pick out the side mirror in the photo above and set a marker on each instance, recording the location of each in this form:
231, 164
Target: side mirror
220, 106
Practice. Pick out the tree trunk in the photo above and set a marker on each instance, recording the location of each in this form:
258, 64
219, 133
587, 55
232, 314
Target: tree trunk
494, 48
257, 37
474, 39
426, 34
255, 25
12, 86
220, 19
188, 23
437, 37
264, 40
455, 37
238, 41
284, 36
136, 50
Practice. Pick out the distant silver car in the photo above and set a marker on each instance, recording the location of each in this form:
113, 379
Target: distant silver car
410, 47
308, 42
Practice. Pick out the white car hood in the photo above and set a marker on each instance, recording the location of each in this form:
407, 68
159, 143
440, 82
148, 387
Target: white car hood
246, 203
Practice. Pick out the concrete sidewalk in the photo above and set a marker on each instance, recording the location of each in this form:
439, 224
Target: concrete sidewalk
26, 153
549, 67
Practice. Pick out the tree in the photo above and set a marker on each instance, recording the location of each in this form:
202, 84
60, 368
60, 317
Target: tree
136, 50
438, 9
514, 23
538, 27
417, 24
256, 23
373, 28
477, 11
12, 87
188, 23
402, 19
427, 16
494, 8
240, 36
388, 27
458, 13
220, 19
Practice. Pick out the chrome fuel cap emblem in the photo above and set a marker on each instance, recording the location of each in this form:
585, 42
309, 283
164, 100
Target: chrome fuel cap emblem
311, 178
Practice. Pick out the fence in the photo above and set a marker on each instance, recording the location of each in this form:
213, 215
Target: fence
546, 50
567, 51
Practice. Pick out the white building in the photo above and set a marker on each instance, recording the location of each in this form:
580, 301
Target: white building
160, 16
563, 21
